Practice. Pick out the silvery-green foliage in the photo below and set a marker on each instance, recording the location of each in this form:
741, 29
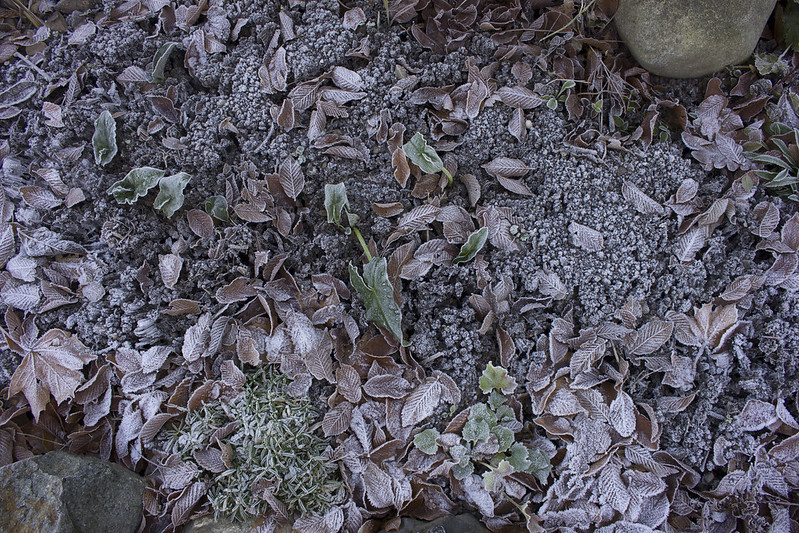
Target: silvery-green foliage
104, 140
170, 196
273, 440
135, 184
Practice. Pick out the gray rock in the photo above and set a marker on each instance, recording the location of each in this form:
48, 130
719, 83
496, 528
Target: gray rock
691, 38
462, 523
63, 493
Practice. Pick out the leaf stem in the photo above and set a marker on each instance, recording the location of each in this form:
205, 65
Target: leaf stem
447, 174
363, 243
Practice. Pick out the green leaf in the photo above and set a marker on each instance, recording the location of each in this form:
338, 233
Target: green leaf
769, 159
335, 202
492, 478
216, 206
495, 400
518, 459
159, 61
783, 179
135, 184
426, 441
473, 244
378, 296
104, 139
476, 430
462, 470
552, 103
539, 464
422, 154
771, 64
170, 195
504, 437
496, 377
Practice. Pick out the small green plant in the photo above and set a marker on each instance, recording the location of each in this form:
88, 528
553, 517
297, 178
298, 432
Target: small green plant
424, 157
138, 182
273, 445
488, 439
784, 162
104, 140
473, 244
561, 95
159, 61
374, 286
216, 206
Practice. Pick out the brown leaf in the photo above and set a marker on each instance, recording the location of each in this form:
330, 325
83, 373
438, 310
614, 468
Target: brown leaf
418, 218
278, 70
472, 187
518, 125
586, 238
514, 186
182, 307
507, 348
622, 414
39, 198
641, 202
345, 78
200, 223
186, 502
353, 18
675, 404
506, 167
170, 266
767, 217
337, 420
649, 337
519, 97
52, 366
291, 178
387, 386
237, 290
348, 383
420, 403
690, 243
318, 359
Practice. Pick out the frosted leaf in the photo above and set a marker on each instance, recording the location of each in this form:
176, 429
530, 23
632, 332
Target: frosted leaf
170, 194
426, 441
514, 186
420, 403
378, 486
291, 178
676, 404
472, 187
104, 139
345, 78
520, 97
200, 223
767, 217
135, 184
649, 337
549, 284
196, 338
39, 198
586, 238
756, 415
640, 201
612, 488
622, 414
186, 502
586, 357
353, 18
518, 125
506, 167
337, 420
318, 359
170, 266
349, 383
418, 218
22, 296
690, 243
387, 386
237, 290
786, 451
22, 267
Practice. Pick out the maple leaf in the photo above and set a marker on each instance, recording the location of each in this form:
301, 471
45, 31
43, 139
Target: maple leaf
51, 365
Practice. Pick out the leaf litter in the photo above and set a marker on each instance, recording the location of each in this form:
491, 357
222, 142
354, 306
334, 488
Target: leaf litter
591, 379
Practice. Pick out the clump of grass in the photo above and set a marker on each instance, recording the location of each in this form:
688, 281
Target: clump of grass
274, 442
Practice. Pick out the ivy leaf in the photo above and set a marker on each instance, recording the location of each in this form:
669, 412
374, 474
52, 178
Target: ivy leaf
518, 458
104, 139
335, 202
378, 296
170, 195
159, 61
422, 154
473, 244
496, 377
216, 206
135, 184
426, 441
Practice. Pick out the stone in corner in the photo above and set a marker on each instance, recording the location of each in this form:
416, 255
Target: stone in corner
63, 493
691, 38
